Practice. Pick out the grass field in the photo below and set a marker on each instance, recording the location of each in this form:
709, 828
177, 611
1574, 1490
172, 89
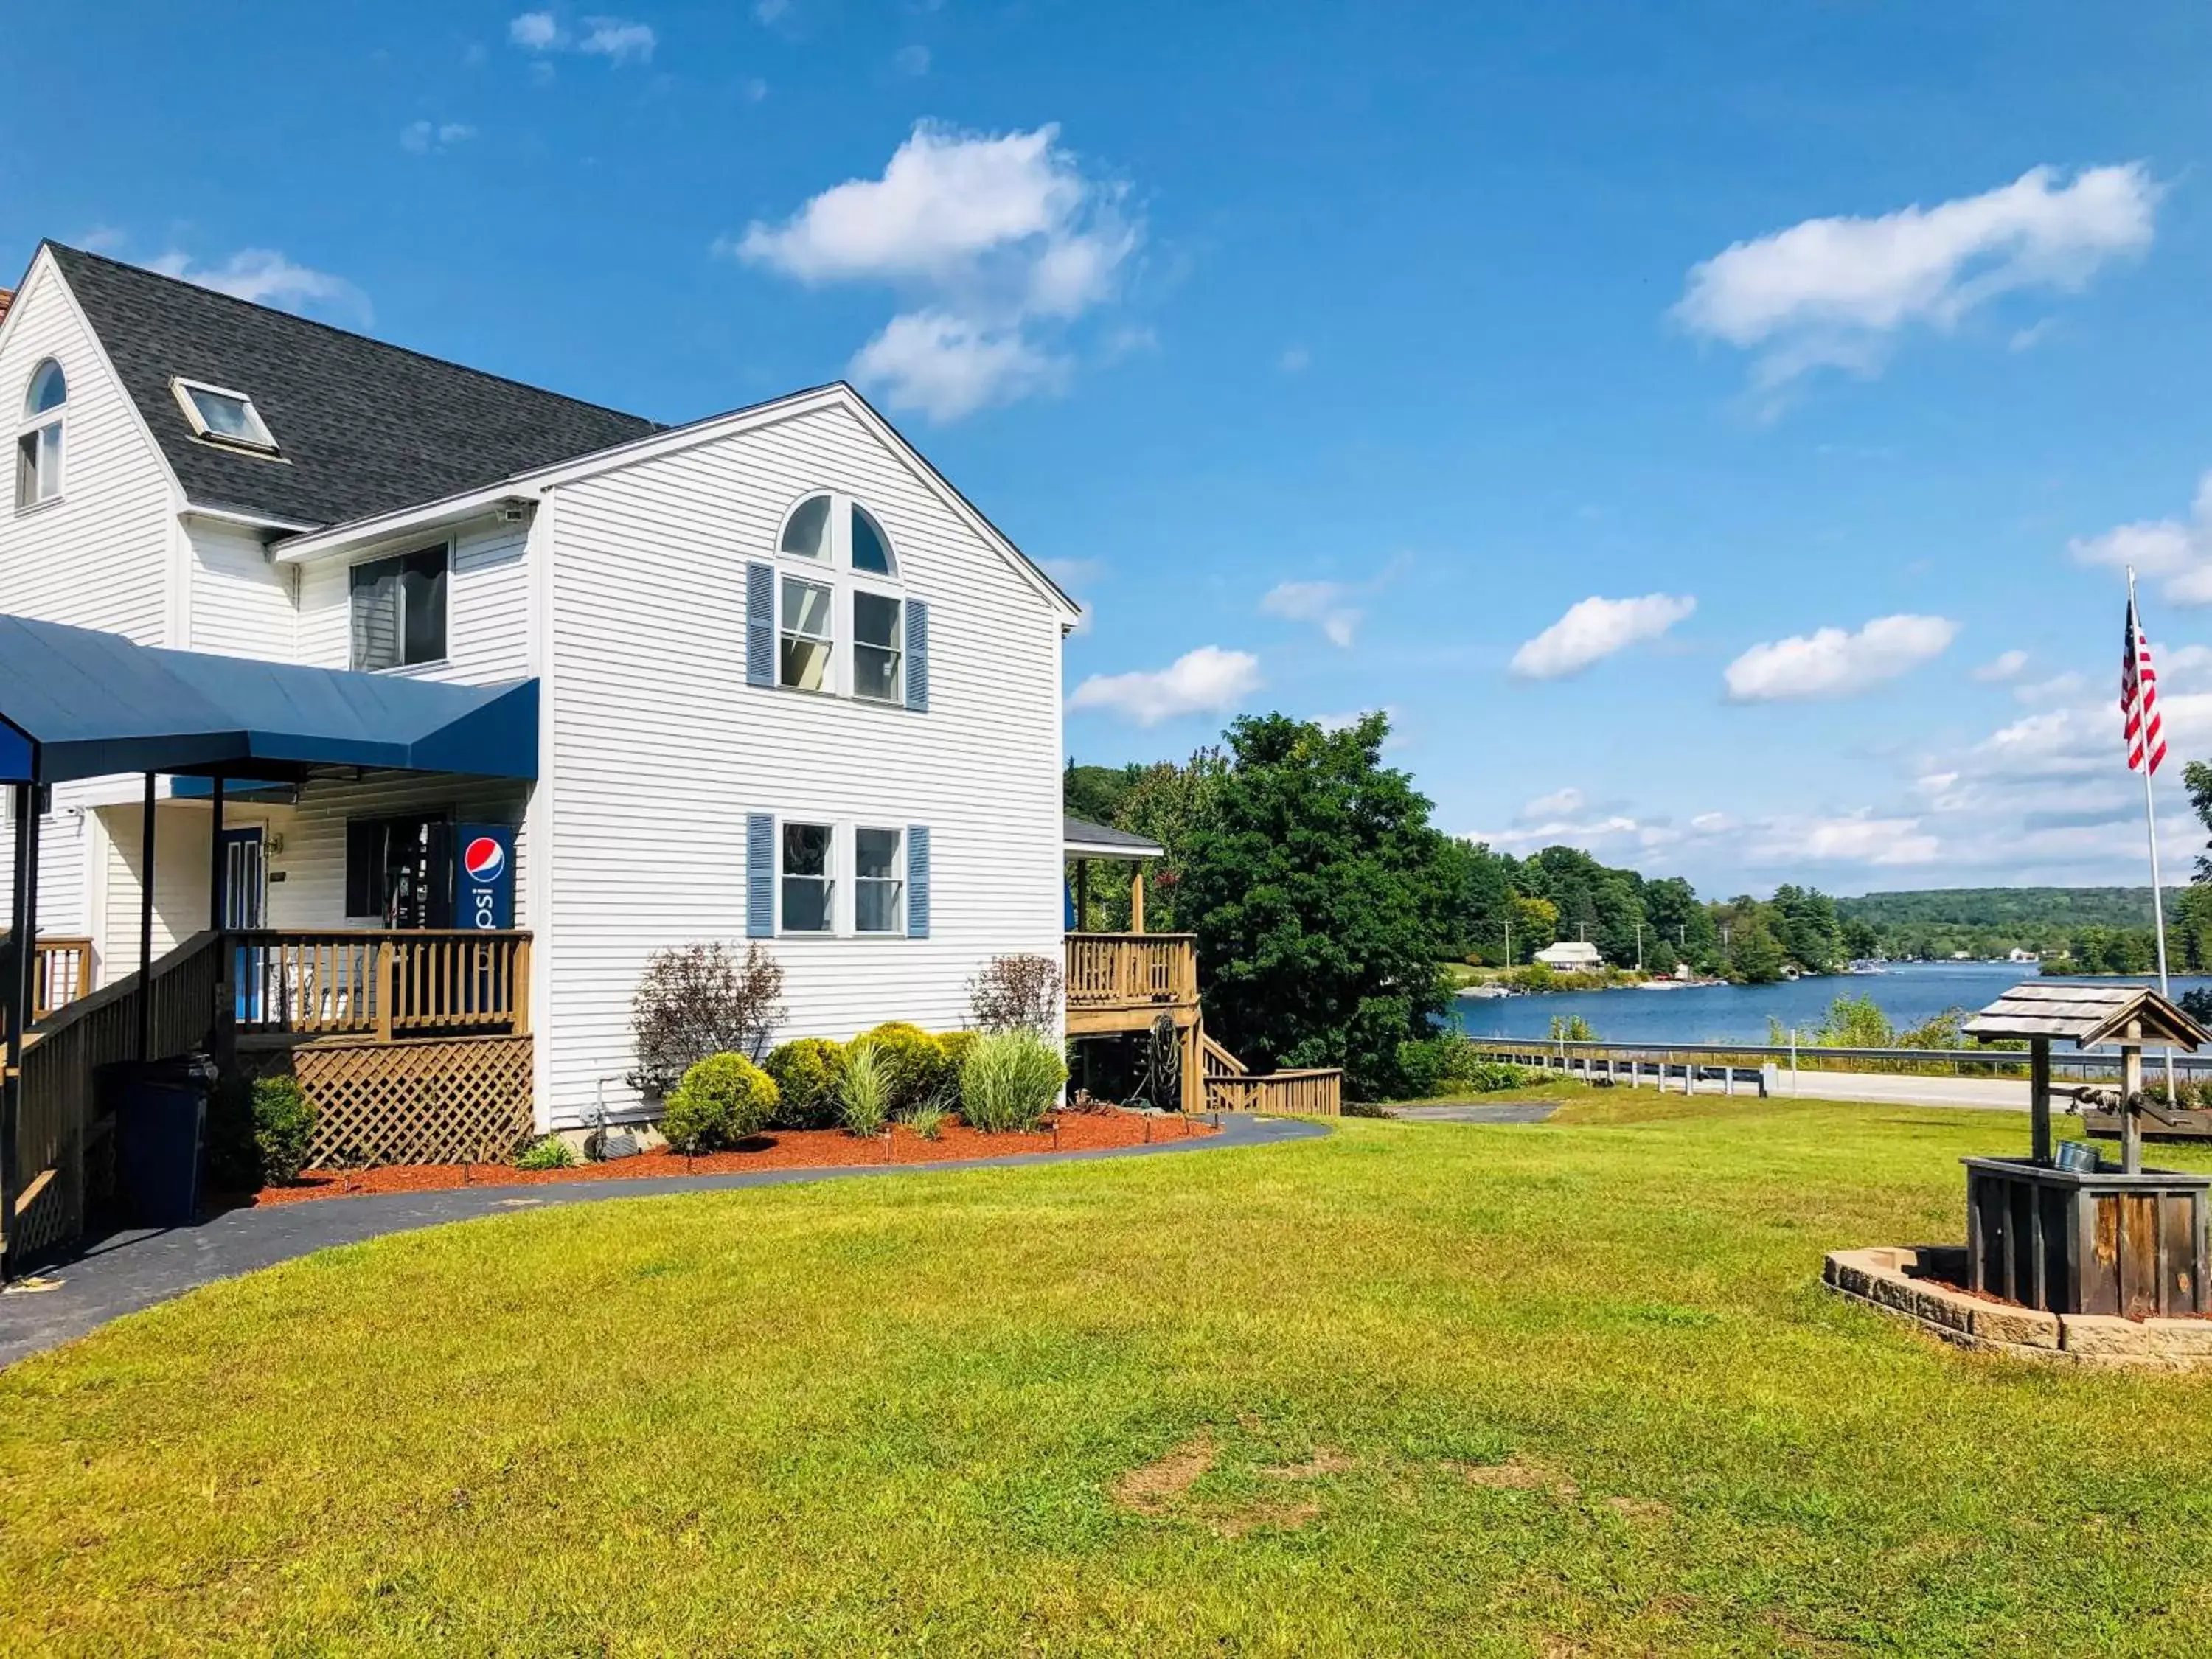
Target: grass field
1417, 1388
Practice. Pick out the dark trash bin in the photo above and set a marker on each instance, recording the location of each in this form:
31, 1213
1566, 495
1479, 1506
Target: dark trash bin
160, 1123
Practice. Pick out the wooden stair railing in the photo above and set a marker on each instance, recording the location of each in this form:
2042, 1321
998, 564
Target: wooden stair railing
1231, 1086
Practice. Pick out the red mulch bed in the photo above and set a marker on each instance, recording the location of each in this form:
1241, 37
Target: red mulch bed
784, 1149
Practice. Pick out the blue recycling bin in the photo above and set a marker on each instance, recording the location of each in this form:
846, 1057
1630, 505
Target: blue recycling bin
160, 1122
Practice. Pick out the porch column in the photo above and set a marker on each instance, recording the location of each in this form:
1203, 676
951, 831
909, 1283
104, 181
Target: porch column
218, 869
146, 926
22, 913
1137, 898
1082, 895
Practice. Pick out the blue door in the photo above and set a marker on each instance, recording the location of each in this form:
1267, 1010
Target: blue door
246, 910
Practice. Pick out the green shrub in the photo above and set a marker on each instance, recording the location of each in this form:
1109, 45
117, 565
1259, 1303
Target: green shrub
550, 1152
1008, 1081
233, 1161
806, 1072
927, 1120
864, 1095
1487, 1077
722, 1100
912, 1061
957, 1046
283, 1127
1422, 1066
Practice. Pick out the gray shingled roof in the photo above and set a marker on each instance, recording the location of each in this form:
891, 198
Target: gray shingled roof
2089, 1014
1081, 832
364, 427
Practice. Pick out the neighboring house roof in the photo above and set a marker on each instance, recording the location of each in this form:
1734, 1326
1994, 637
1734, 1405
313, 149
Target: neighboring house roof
1085, 839
364, 428
6, 299
1570, 950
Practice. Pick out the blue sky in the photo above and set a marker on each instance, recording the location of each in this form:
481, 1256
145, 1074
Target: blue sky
1710, 430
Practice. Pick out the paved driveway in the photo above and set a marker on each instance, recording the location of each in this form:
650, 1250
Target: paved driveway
127, 1271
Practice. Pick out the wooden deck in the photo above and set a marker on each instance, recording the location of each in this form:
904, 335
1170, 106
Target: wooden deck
1122, 982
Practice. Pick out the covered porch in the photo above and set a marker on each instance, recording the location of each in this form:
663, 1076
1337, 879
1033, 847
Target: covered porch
319, 873
1134, 984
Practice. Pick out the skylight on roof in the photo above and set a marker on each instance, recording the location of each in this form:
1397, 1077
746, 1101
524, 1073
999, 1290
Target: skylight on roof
223, 416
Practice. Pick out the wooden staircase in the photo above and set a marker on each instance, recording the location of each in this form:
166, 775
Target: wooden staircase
1231, 1086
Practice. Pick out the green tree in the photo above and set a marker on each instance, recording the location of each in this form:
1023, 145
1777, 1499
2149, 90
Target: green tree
1312, 891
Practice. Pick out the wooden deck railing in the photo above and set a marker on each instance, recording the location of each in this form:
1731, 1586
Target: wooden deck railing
381, 985
61, 972
1314, 1092
1131, 970
57, 1124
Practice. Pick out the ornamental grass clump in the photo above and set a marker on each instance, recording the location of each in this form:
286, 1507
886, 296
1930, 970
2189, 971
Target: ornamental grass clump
722, 1100
912, 1062
927, 1121
807, 1072
552, 1153
864, 1100
1009, 1081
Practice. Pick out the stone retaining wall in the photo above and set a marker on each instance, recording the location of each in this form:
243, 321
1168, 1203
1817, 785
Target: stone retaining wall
1896, 1279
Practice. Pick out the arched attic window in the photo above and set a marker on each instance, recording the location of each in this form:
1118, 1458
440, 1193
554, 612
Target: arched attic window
38, 441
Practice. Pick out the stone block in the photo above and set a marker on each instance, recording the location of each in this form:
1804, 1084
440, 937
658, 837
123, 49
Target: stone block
2019, 1328
2103, 1336
2180, 1339
1948, 1308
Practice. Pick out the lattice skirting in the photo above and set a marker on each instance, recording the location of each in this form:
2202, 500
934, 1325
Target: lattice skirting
458, 1100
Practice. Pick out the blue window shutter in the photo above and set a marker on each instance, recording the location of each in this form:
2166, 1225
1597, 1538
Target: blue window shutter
760, 624
917, 658
917, 881
760, 876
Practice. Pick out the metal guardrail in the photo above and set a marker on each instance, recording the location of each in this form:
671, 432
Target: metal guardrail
2087, 1062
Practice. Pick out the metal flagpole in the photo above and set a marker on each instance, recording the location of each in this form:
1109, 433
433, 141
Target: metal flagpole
2150, 823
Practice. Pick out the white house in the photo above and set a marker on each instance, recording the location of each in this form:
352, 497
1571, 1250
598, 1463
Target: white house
791, 685
1571, 956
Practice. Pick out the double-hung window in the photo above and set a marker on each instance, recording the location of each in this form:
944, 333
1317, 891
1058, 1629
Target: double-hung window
809, 884
807, 642
876, 648
879, 881
39, 444
399, 610
841, 620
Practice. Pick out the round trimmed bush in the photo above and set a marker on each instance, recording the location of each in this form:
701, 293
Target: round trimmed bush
806, 1071
957, 1046
1009, 1080
722, 1100
913, 1061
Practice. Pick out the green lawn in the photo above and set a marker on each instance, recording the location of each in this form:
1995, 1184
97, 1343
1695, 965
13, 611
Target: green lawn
1424, 1388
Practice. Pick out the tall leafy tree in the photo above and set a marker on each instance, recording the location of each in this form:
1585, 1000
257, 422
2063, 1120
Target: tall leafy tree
1313, 890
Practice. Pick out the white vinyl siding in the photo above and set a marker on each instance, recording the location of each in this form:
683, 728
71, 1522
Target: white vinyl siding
487, 606
661, 750
241, 603
99, 556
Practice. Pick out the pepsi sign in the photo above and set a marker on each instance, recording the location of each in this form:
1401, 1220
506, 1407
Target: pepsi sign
486, 876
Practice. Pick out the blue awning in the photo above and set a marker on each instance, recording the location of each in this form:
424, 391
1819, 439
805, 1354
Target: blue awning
78, 703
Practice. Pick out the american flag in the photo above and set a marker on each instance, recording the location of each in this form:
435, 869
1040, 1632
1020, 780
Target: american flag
2139, 699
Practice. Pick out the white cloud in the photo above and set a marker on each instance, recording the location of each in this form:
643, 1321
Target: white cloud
1208, 680
617, 40
1860, 838
536, 31
2005, 665
422, 138
2177, 550
1594, 629
949, 366
1073, 574
998, 241
268, 278
1326, 605
1559, 804
1832, 663
1295, 360
911, 60
1835, 292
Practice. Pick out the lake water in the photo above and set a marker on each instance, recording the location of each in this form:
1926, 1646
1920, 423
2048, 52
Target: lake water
1907, 992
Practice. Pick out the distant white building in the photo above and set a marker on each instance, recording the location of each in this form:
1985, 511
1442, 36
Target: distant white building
2019, 955
1571, 956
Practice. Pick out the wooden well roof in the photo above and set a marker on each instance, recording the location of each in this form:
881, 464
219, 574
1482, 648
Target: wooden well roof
2087, 1015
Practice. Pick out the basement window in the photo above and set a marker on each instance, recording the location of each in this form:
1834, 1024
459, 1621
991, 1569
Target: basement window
223, 416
